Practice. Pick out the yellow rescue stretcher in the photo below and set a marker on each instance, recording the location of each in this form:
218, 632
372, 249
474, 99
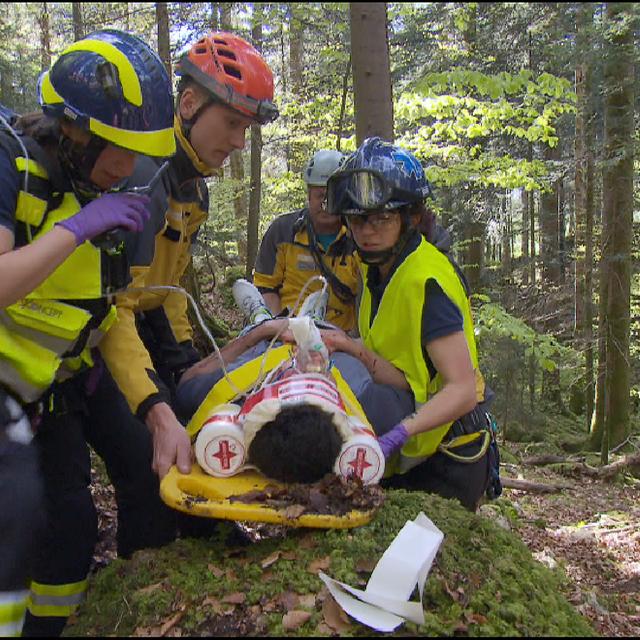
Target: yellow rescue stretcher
200, 494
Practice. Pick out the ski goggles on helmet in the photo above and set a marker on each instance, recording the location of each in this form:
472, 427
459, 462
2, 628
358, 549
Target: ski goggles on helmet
356, 190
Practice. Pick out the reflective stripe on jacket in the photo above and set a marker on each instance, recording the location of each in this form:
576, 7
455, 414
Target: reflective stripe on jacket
13, 605
396, 335
48, 334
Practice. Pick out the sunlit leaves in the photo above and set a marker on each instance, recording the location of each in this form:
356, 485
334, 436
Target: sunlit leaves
453, 121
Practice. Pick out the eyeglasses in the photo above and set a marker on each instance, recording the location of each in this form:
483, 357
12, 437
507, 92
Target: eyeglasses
362, 189
378, 221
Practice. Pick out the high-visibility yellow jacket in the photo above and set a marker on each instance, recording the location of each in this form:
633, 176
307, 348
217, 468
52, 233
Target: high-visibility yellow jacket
48, 334
159, 256
286, 261
395, 333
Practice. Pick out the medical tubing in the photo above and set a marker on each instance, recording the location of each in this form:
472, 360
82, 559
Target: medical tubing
261, 379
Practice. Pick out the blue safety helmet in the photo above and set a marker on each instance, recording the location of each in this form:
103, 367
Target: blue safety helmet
113, 85
378, 175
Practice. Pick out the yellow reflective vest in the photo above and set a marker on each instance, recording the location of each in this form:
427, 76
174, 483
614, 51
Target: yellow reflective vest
48, 334
396, 335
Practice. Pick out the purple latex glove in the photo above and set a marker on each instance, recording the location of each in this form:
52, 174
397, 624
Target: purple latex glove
107, 212
393, 440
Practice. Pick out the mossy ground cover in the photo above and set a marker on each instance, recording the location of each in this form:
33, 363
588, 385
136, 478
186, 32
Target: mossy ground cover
484, 582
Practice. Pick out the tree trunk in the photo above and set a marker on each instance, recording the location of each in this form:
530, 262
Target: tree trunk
45, 37
532, 236
253, 221
549, 234
562, 240
78, 24
506, 265
343, 103
239, 202
284, 119
296, 48
597, 423
524, 238
373, 100
215, 16
296, 151
225, 16
236, 162
582, 396
531, 199
618, 209
164, 45
474, 239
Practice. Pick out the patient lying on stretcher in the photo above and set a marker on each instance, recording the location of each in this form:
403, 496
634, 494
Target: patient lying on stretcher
302, 421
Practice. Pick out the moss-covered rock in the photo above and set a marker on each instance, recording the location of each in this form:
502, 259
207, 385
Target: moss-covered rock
484, 582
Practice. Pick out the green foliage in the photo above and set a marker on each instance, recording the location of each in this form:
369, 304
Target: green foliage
517, 362
484, 579
493, 322
455, 119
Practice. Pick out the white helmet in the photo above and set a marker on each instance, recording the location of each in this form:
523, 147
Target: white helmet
321, 166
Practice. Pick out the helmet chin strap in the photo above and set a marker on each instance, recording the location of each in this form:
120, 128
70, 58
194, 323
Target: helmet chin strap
78, 162
373, 258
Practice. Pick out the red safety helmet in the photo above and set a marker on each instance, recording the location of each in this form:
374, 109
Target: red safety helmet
233, 72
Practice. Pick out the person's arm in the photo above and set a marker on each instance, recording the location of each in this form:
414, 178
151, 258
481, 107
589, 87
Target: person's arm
125, 354
269, 272
273, 302
451, 358
175, 304
25, 268
380, 369
237, 347
450, 355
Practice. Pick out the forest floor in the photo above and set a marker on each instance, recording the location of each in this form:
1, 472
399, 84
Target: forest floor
590, 530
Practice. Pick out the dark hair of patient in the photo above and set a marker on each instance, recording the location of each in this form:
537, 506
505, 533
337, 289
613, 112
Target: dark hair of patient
300, 445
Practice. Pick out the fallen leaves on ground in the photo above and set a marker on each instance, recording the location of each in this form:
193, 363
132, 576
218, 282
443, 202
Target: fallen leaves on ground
289, 600
333, 495
320, 564
294, 619
334, 616
271, 559
145, 591
235, 598
160, 630
591, 530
